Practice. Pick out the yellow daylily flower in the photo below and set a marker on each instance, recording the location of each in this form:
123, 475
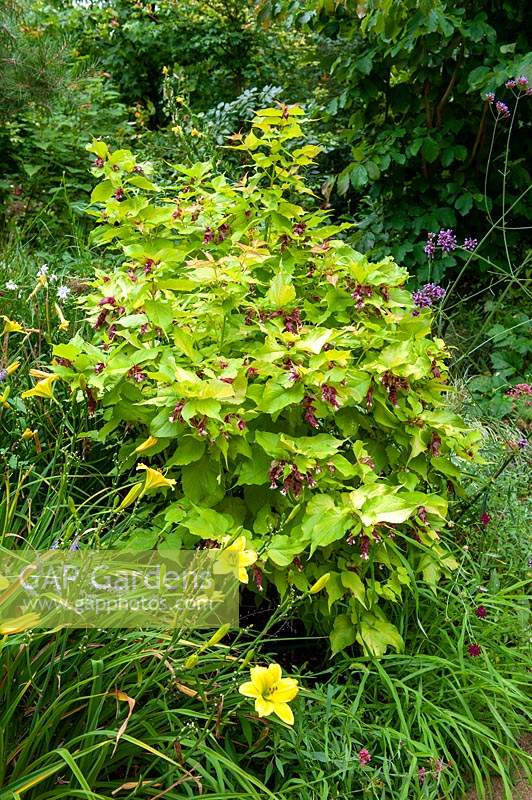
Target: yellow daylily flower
38, 373
28, 434
146, 444
19, 624
235, 558
12, 367
10, 326
155, 479
43, 388
63, 323
272, 692
320, 583
41, 281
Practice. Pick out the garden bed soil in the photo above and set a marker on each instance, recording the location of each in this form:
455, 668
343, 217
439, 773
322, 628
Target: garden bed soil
522, 789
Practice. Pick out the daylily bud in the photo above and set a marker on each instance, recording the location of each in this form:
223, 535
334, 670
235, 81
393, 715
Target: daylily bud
320, 583
218, 635
131, 496
146, 444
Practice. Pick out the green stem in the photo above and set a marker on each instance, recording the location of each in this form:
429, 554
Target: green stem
486, 486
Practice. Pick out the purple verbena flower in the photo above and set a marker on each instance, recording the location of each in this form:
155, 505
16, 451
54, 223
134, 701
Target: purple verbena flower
470, 244
364, 757
421, 299
502, 109
522, 80
427, 295
490, 97
430, 249
511, 84
446, 240
434, 291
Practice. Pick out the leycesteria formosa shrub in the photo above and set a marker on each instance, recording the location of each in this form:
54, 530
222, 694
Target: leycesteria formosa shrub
289, 391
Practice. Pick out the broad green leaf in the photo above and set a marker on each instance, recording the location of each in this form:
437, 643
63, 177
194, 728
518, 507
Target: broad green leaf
334, 588
201, 483
103, 191
208, 524
283, 549
188, 450
281, 292
343, 633
386, 508
353, 582
376, 635
325, 522
276, 397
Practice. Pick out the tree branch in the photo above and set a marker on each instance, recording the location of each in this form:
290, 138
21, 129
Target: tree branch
446, 95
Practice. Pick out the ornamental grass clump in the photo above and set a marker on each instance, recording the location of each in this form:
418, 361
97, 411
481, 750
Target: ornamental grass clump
247, 353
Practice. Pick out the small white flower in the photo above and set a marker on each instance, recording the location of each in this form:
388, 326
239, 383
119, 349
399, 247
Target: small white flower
63, 292
52, 277
12, 286
42, 270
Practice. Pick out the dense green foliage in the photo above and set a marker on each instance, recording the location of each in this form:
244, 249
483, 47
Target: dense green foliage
404, 101
280, 375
